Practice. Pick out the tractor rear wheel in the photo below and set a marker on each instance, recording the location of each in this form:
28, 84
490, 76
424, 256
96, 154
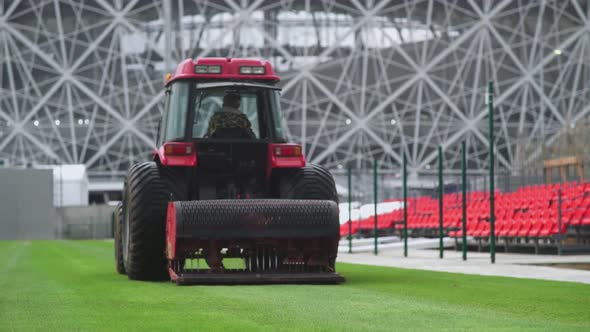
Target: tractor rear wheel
118, 218
309, 182
146, 198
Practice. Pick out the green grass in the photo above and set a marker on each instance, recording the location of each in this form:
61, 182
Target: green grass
72, 285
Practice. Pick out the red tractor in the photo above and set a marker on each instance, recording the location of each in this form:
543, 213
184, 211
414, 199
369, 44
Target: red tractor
226, 200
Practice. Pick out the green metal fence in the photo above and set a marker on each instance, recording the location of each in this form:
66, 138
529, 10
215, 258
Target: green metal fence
367, 187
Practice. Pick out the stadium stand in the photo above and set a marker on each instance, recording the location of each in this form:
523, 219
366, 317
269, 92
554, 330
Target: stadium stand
524, 216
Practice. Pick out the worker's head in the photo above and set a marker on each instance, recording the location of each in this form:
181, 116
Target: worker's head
231, 99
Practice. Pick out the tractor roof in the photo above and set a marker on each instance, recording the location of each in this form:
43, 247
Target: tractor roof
234, 69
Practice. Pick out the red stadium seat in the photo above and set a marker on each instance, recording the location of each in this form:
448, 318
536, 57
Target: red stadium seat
524, 229
481, 229
548, 229
344, 229
535, 230
472, 227
500, 228
485, 232
576, 218
567, 216
505, 229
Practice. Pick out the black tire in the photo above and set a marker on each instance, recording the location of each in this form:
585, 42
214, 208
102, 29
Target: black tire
145, 206
310, 182
118, 218
124, 225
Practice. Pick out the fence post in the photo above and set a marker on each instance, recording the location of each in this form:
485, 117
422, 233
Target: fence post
464, 200
405, 185
349, 210
376, 251
440, 202
491, 152
559, 235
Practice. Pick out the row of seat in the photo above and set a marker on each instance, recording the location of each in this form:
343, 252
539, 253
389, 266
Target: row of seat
531, 211
540, 228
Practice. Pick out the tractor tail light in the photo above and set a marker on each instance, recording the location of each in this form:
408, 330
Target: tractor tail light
178, 149
177, 154
287, 151
285, 156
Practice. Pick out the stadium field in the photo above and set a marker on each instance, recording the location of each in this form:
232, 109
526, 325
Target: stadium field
72, 285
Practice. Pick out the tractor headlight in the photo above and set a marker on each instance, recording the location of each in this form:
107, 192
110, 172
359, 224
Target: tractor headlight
245, 70
258, 70
202, 69
214, 69
252, 70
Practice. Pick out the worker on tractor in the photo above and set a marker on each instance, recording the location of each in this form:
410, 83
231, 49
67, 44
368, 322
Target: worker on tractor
230, 119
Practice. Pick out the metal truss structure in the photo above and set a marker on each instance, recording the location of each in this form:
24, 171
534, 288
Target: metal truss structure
81, 80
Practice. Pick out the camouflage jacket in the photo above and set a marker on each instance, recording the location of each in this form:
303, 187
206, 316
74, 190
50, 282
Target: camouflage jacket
229, 119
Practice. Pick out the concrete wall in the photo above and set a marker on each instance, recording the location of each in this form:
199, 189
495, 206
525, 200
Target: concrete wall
27, 211
85, 222
26, 204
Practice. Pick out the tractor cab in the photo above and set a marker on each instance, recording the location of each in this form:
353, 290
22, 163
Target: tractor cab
222, 98
223, 116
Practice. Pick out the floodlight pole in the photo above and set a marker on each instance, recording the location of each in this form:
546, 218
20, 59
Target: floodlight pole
490, 103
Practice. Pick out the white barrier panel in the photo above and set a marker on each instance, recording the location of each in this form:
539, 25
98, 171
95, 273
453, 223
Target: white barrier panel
392, 242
